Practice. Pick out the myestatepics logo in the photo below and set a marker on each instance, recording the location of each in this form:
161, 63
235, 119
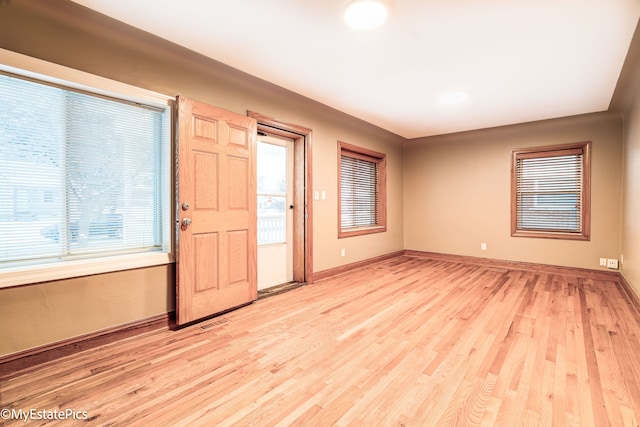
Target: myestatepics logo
40, 414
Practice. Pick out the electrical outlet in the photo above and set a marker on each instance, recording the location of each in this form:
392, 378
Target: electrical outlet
603, 262
483, 246
612, 263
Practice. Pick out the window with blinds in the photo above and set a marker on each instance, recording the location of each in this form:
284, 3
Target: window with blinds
81, 175
362, 204
550, 192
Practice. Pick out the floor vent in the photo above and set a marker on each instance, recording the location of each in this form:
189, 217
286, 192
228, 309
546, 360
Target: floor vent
216, 322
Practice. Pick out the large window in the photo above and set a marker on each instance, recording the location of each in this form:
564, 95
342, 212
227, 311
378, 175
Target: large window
362, 191
551, 192
81, 175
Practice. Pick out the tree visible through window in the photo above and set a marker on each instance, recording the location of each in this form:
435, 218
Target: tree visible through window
80, 175
551, 192
362, 191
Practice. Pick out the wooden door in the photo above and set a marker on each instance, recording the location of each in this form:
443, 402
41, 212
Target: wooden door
216, 262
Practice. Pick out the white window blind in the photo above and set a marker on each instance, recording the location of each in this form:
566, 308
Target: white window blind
81, 175
550, 190
358, 192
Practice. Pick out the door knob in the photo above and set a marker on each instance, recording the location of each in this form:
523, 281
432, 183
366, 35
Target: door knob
186, 221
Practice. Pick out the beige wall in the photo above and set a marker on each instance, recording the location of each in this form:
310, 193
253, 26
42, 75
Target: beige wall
457, 192
631, 199
54, 311
446, 194
65, 33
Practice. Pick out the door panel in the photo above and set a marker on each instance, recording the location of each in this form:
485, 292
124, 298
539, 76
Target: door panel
238, 257
238, 174
238, 136
216, 266
206, 169
206, 247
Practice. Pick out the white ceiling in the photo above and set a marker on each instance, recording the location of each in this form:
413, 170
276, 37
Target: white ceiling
518, 60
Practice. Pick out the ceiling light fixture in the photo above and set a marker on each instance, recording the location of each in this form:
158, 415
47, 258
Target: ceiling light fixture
363, 15
453, 98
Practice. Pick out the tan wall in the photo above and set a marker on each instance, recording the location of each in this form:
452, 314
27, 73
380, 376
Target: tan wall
65, 33
631, 199
457, 192
446, 194
54, 311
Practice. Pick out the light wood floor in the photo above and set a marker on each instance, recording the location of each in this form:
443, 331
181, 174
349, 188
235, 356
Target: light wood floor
408, 341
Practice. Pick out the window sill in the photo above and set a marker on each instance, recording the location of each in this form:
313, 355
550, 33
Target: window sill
69, 269
361, 231
550, 235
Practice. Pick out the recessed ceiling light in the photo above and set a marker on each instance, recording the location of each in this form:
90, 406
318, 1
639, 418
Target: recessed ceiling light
365, 15
453, 98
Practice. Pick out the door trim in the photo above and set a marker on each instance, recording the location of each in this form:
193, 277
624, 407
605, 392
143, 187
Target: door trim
302, 191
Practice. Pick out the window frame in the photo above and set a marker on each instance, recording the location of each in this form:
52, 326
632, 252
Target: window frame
548, 152
380, 159
47, 72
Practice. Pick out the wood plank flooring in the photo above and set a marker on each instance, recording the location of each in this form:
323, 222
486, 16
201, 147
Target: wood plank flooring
408, 341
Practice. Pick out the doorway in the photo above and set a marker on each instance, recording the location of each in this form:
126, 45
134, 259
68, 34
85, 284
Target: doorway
302, 211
